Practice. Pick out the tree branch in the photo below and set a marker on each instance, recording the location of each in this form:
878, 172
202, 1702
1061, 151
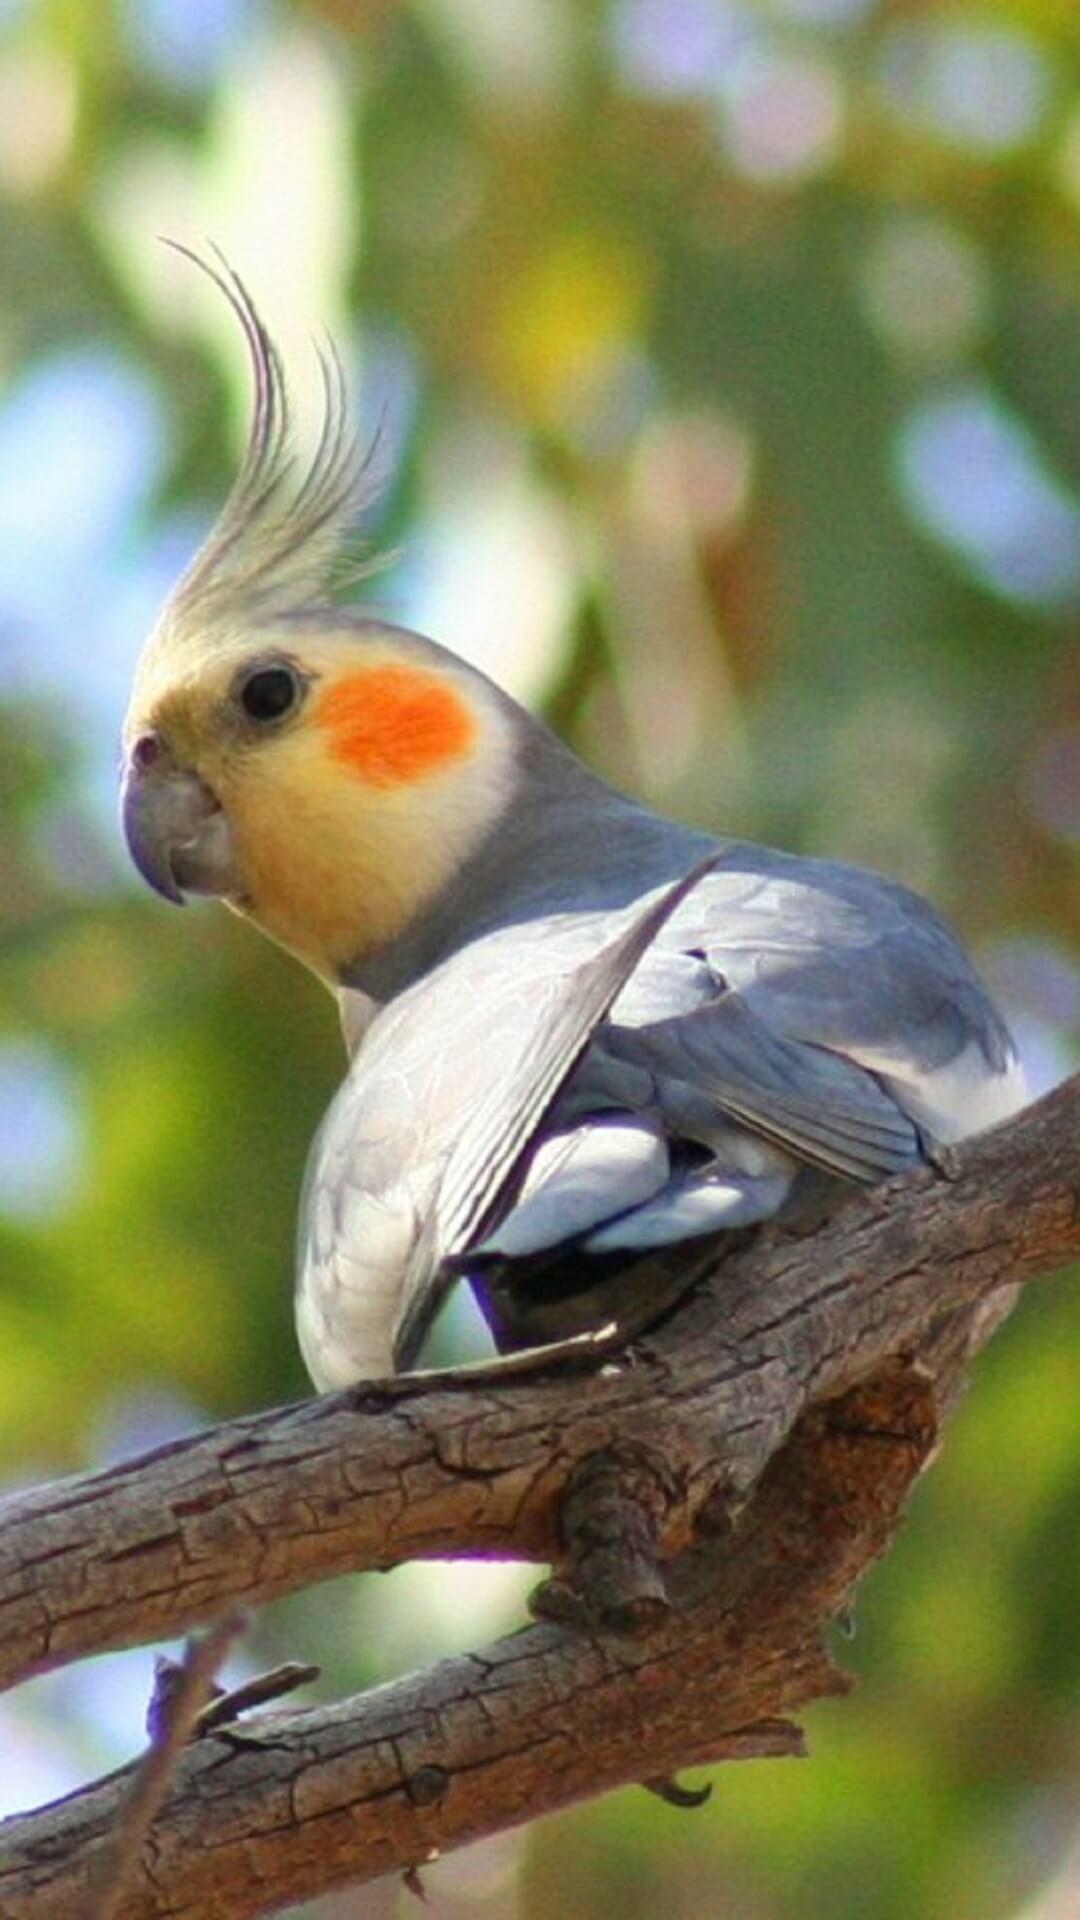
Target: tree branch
787, 1407
474, 1463
538, 1720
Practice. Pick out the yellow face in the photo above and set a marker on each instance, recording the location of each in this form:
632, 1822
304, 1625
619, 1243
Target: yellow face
326, 781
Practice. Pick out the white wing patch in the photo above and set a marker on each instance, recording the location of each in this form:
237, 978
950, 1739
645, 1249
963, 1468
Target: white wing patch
963, 1097
577, 1180
713, 1205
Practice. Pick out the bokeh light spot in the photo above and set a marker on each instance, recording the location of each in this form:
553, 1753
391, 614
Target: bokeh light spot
667, 49
492, 572
41, 1131
37, 118
983, 85
782, 118
924, 288
181, 43
974, 478
569, 314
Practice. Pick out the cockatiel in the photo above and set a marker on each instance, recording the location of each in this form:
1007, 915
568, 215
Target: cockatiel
579, 1031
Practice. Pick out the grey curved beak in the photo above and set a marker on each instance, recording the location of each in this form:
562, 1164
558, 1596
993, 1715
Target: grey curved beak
176, 833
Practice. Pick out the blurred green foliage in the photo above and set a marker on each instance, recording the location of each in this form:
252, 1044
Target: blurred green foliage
725, 354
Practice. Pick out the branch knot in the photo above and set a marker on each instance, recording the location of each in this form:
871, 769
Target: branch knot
618, 1504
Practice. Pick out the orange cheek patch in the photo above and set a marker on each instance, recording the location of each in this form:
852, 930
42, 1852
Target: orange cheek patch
394, 724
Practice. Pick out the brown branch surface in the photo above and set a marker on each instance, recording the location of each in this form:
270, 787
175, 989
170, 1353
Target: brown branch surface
787, 1407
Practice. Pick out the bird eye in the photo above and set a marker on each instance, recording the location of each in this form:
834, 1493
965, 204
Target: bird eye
269, 693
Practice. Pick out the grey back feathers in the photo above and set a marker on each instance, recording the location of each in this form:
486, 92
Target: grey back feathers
789, 1014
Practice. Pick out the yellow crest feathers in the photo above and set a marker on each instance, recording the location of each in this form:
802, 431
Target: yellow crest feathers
276, 543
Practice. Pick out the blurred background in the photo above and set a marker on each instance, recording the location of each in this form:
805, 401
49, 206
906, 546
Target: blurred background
724, 357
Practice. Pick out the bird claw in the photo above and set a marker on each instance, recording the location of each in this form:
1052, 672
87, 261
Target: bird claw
668, 1789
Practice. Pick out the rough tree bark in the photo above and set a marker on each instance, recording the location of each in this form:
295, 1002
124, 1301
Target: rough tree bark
709, 1499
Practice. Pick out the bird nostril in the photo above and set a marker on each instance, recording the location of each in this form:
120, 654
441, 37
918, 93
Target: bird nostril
145, 751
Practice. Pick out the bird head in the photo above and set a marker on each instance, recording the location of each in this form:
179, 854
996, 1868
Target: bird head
323, 773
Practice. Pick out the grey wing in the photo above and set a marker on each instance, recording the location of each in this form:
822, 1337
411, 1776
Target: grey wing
837, 1017
792, 1013
724, 1063
860, 968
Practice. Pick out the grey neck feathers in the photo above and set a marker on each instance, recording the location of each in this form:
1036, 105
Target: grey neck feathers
566, 841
